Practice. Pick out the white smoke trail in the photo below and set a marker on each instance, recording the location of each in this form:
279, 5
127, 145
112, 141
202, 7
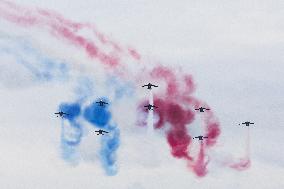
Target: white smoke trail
150, 119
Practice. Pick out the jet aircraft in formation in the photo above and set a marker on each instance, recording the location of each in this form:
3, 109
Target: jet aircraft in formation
101, 103
200, 137
61, 114
247, 123
150, 107
201, 109
149, 86
101, 132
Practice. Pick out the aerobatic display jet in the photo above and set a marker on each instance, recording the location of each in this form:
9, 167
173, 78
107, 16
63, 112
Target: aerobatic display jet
101, 103
200, 137
150, 107
149, 86
101, 132
247, 123
201, 109
61, 114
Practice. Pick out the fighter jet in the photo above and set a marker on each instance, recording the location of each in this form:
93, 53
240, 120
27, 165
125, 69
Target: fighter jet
201, 109
149, 86
101, 103
200, 137
61, 114
150, 107
247, 123
101, 132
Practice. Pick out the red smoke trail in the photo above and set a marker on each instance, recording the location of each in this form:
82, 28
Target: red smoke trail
67, 30
175, 108
199, 166
175, 104
244, 162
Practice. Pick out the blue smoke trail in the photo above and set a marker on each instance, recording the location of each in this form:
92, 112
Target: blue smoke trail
71, 133
72, 109
42, 67
110, 144
100, 117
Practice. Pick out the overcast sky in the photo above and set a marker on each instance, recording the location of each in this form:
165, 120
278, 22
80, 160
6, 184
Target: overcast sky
233, 49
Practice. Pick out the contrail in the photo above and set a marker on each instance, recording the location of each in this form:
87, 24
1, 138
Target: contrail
244, 162
248, 143
150, 119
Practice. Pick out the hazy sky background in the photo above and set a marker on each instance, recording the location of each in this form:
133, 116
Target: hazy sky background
233, 49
